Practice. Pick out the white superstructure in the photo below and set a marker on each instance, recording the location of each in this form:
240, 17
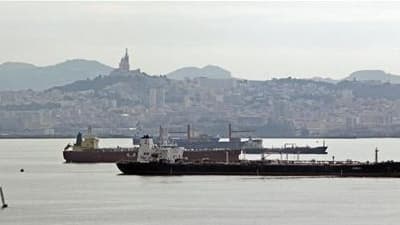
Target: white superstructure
149, 152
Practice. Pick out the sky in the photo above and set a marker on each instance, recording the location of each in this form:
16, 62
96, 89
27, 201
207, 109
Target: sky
253, 40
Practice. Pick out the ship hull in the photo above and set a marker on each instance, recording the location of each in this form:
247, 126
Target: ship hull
236, 144
115, 155
390, 169
98, 156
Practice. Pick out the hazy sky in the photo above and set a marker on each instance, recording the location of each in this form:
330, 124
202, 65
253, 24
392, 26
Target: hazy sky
252, 40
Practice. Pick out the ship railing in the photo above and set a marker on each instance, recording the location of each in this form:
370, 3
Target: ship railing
303, 162
117, 149
286, 162
209, 149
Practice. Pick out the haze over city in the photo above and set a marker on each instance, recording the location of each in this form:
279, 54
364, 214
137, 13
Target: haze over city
252, 40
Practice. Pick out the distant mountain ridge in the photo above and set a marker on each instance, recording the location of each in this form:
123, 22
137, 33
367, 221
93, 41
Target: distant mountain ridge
209, 71
17, 75
374, 75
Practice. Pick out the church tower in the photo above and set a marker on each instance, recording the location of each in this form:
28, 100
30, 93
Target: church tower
124, 63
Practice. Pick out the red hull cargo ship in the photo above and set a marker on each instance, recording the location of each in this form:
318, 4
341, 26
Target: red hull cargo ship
86, 150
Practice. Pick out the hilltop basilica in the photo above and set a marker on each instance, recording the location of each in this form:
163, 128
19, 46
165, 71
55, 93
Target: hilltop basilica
124, 63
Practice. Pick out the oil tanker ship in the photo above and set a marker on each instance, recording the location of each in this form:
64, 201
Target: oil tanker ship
267, 168
151, 161
250, 145
253, 146
86, 150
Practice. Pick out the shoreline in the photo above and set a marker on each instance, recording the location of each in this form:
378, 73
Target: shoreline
126, 136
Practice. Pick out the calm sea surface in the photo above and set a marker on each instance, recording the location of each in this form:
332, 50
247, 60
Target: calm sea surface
52, 192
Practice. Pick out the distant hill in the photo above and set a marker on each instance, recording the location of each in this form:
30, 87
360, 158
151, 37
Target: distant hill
374, 75
16, 75
210, 71
326, 80
140, 81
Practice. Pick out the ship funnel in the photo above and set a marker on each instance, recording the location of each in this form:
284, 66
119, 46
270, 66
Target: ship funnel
230, 131
79, 139
146, 140
161, 135
146, 149
189, 132
89, 131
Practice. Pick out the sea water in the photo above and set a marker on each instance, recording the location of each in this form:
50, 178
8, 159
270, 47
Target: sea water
50, 191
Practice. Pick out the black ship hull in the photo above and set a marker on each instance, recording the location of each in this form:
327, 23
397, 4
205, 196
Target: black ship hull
386, 169
235, 144
209, 143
